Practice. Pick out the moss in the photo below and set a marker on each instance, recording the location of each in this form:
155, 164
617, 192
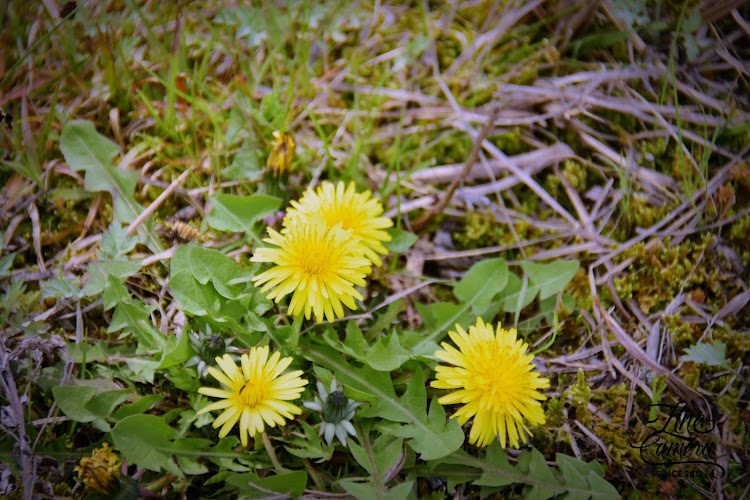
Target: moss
481, 228
641, 213
510, 142
658, 274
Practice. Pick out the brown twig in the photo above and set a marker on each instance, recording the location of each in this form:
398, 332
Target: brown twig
473, 157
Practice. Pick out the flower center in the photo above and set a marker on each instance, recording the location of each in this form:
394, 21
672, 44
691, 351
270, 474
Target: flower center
315, 262
253, 394
494, 376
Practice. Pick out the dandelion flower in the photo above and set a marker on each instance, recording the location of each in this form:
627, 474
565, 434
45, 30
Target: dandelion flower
319, 264
256, 393
495, 380
282, 154
101, 470
358, 212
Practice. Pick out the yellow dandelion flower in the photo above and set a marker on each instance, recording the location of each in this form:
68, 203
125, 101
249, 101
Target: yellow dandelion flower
255, 394
282, 154
319, 264
495, 380
99, 471
358, 212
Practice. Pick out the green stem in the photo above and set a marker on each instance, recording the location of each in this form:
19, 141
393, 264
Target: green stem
296, 331
272, 454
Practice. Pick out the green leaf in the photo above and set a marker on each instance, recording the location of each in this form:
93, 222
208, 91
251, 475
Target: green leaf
415, 399
148, 442
311, 446
83, 404
378, 457
252, 486
98, 272
387, 356
134, 318
710, 354
178, 351
438, 317
502, 473
102, 404
475, 291
114, 293
359, 489
239, 213
72, 401
225, 457
58, 287
140, 406
401, 240
430, 434
116, 242
197, 299
85, 149
207, 265
482, 282
533, 464
550, 278
510, 296
88, 352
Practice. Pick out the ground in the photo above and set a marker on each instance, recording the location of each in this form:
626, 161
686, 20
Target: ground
576, 171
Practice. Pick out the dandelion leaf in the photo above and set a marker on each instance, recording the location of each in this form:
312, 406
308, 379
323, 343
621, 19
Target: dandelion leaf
430, 435
148, 442
85, 149
710, 354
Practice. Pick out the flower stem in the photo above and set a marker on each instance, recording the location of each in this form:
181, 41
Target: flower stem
271, 453
296, 332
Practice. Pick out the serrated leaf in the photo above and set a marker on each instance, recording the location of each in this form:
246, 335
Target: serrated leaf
225, 457
550, 278
379, 456
103, 403
239, 213
85, 149
400, 492
311, 446
188, 451
498, 458
194, 298
134, 318
431, 436
116, 242
208, 265
177, 351
415, 398
710, 354
386, 356
602, 490
353, 345
58, 287
533, 464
